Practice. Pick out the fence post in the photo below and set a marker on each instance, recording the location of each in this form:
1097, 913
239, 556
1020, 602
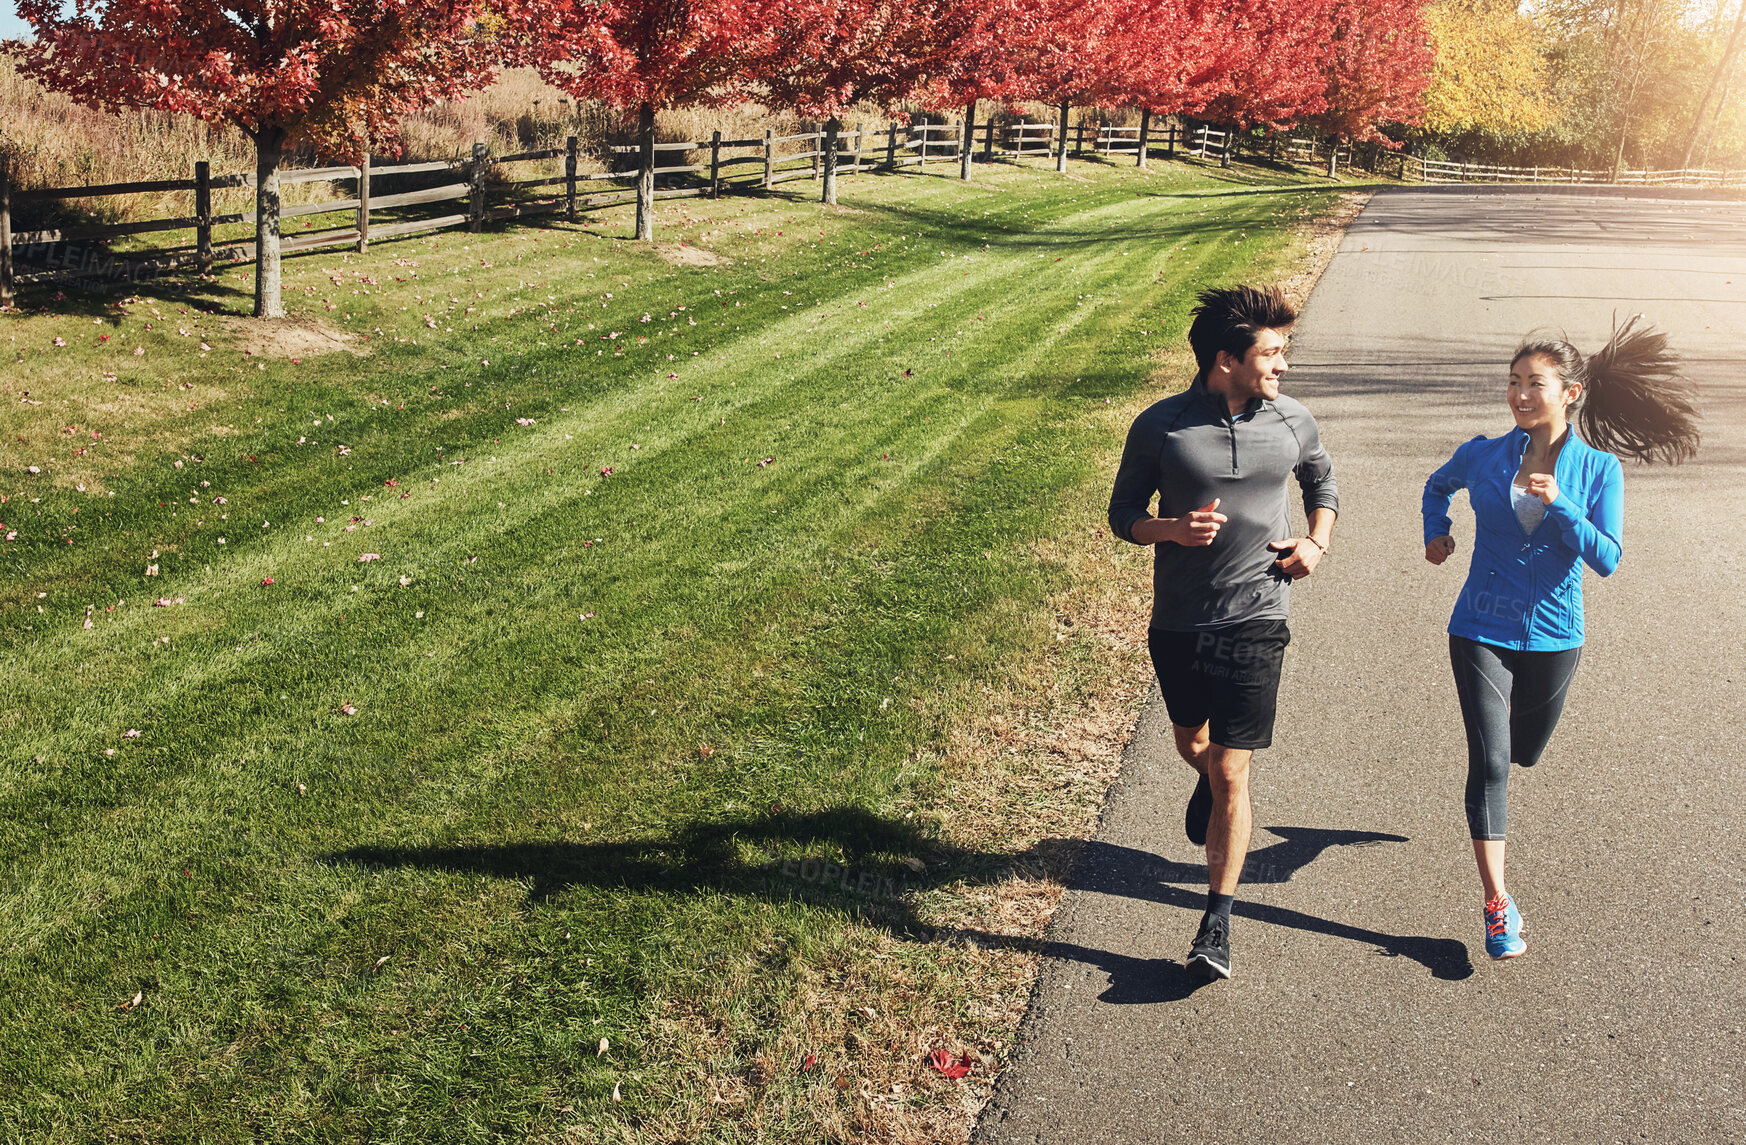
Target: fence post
1061, 143
1170, 140
476, 190
769, 149
988, 141
364, 203
1145, 130
5, 234
1079, 147
570, 178
860, 137
203, 216
817, 146
891, 146
715, 165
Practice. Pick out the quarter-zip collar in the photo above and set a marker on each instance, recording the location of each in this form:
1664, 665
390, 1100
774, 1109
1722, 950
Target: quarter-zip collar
1222, 408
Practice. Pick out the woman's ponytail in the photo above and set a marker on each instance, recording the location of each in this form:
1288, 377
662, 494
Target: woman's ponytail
1638, 404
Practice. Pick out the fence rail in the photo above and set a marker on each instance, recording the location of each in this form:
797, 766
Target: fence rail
1444, 171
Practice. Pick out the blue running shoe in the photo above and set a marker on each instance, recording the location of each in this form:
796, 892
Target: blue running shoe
1503, 929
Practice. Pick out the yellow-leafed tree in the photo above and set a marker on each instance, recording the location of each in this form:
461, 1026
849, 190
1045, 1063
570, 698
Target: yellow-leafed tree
1490, 76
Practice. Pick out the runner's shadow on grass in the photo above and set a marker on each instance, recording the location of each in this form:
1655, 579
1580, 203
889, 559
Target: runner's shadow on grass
850, 859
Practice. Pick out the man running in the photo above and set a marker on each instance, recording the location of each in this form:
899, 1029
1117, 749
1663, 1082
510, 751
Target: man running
1217, 455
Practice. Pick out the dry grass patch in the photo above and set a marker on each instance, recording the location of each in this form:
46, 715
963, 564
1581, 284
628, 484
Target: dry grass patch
679, 254
299, 338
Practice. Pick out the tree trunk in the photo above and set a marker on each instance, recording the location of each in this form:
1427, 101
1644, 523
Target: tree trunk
269, 150
1723, 66
969, 140
646, 172
1061, 152
829, 146
1716, 116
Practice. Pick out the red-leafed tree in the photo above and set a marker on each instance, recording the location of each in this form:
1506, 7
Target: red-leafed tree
1077, 55
338, 73
833, 54
1377, 68
1270, 68
1172, 56
980, 63
654, 55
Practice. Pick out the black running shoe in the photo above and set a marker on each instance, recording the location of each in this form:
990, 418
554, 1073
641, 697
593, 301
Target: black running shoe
1199, 813
1210, 956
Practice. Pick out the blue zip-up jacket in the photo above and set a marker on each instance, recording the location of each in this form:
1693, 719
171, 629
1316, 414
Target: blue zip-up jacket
1524, 590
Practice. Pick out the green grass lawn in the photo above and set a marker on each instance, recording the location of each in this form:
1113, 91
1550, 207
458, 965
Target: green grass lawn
613, 604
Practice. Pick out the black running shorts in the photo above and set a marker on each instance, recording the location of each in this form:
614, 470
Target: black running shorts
1228, 677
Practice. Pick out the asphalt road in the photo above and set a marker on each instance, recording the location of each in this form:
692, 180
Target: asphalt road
1363, 1008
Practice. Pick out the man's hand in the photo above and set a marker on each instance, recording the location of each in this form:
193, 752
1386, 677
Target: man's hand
1196, 529
1544, 486
1439, 549
1298, 556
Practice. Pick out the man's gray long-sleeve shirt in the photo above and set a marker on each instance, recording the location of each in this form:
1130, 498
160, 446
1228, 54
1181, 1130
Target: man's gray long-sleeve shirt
1188, 449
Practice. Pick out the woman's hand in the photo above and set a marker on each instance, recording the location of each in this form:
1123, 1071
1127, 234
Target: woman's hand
1438, 550
1544, 486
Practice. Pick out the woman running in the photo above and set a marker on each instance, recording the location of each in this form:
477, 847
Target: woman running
1545, 501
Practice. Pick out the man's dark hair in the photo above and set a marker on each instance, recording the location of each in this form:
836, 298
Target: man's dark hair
1231, 319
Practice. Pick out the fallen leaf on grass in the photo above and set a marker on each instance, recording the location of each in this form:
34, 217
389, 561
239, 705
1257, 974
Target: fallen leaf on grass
347, 709
266, 580
368, 557
130, 733
807, 1062
604, 1046
942, 1061
381, 962
133, 1002
705, 750
615, 1095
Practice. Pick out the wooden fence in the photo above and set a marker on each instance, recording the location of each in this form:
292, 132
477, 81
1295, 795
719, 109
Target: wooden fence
1438, 171
82, 252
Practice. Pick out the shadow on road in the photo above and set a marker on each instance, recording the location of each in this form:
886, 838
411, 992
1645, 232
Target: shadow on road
849, 859
1108, 869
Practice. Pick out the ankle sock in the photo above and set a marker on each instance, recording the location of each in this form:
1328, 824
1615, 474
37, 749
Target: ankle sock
1220, 904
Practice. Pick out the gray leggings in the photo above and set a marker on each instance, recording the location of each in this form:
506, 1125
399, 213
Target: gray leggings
1510, 702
